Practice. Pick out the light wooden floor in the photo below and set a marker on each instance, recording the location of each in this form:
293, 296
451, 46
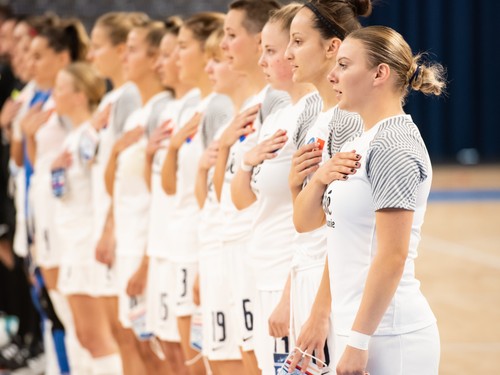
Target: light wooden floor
459, 267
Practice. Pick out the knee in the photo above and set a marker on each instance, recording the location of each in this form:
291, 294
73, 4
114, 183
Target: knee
125, 338
86, 339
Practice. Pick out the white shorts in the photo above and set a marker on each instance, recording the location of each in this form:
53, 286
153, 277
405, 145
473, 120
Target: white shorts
221, 334
104, 280
126, 266
267, 346
414, 353
161, 318
184, 276
244, 291
75, 279
47, 252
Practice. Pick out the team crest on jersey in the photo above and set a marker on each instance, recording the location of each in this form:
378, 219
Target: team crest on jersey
327, 201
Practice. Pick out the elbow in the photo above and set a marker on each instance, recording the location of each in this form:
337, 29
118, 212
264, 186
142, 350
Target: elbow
240, 205
299, 225
239, 201
168, 188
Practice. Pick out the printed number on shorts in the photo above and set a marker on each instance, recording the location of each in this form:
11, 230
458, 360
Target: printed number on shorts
184, 282
247, 315
219, 326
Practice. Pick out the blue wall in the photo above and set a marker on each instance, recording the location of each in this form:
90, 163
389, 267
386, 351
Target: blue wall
461, 35
458, 33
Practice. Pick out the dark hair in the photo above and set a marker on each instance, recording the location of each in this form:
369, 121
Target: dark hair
384, 45
203, 24
172, 25
40, 22
257, 12
5, 12
119, 24
69, 35
337, 18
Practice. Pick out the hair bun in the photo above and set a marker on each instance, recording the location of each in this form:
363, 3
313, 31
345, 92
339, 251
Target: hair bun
361, 7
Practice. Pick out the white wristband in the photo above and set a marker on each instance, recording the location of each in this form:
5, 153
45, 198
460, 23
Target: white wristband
359, 340
245, 167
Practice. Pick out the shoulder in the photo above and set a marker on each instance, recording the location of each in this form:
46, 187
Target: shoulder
398, 144
274, 100
343, 127
399, 133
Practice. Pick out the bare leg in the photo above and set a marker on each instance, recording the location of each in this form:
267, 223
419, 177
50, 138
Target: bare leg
184, 325
127, 342
250, 363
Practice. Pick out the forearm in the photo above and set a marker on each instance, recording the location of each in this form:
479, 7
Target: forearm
201, 186
220, 170
381, 284
285, 295
393, 229
295, 190
169, 172
16, 152
109, 174
31, 149
241, 190
308, 212
109, 225
323, 301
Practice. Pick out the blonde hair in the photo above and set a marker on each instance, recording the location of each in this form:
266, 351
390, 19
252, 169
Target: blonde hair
119, 24
384, 45
203, 24
284, 16
88, 81
212, 45
155, 30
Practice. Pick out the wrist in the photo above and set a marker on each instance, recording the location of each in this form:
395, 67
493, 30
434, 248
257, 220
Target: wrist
359, 340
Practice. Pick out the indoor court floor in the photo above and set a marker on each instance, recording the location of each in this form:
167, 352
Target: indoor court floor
459, 266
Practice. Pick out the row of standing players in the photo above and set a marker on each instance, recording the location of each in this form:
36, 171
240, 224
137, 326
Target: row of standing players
196, 215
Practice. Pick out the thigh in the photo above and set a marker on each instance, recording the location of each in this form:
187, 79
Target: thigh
88, 313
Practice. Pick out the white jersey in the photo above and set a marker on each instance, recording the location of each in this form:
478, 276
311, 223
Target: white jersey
24, 98
331, 129
237, 223
162, 205
124, 100
72, 212
216, 109
49, 139
271, 244
395, 173
131, 194
17, 173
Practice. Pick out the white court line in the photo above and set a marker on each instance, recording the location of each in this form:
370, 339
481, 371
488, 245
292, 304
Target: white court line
471, 347
464, 252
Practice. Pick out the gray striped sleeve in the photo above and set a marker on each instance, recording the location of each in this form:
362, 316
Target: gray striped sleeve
273, 101
307, 119
128, 102
344, 126
219, 111
153, 121
396, 164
